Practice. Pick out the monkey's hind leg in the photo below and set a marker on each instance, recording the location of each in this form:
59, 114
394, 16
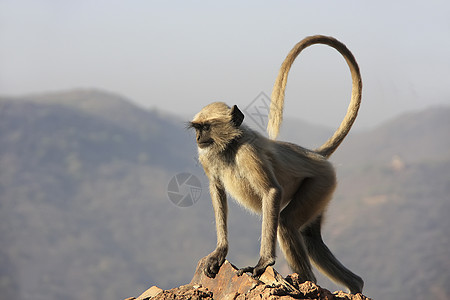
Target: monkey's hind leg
292, 245
326, 261
310, 198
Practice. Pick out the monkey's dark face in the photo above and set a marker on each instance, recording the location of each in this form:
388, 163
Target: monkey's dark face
216, 125
203, 134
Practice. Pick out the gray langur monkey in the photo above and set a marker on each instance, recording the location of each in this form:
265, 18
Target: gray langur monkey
288, 184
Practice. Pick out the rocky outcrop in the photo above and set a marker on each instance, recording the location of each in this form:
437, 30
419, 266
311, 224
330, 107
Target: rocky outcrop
229, 286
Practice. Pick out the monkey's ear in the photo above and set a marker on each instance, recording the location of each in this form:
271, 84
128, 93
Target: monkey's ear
237, 117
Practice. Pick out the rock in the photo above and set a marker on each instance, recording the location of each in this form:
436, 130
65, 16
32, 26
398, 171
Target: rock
151, 292
185, 292
228, 286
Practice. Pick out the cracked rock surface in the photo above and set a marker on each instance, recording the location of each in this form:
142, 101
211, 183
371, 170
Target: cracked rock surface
227, 285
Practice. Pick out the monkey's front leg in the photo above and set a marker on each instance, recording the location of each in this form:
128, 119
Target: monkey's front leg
215, 259
271, 212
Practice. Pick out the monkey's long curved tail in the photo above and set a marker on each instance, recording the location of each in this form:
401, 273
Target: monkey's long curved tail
277, 99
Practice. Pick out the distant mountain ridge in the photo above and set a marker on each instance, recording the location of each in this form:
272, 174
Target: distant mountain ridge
413, 136
102, 118
101, 104
84, 211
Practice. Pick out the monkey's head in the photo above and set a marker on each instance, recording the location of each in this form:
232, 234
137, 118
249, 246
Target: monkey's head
217, 125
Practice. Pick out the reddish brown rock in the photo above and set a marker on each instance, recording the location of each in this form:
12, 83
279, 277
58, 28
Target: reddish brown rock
227, 285
185, 292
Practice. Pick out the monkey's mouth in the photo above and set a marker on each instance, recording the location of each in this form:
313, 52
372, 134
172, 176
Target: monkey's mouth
205, 143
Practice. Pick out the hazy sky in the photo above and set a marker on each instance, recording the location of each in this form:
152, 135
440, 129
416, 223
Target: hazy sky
180, 55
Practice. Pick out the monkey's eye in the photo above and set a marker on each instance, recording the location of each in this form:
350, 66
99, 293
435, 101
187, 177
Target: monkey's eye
196, 126
206, 127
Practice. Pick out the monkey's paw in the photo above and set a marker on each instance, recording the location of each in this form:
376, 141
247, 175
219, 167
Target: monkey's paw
260, 267
213, 262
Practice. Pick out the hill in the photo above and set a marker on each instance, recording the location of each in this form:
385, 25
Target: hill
414, 137
74, 183
85, 213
